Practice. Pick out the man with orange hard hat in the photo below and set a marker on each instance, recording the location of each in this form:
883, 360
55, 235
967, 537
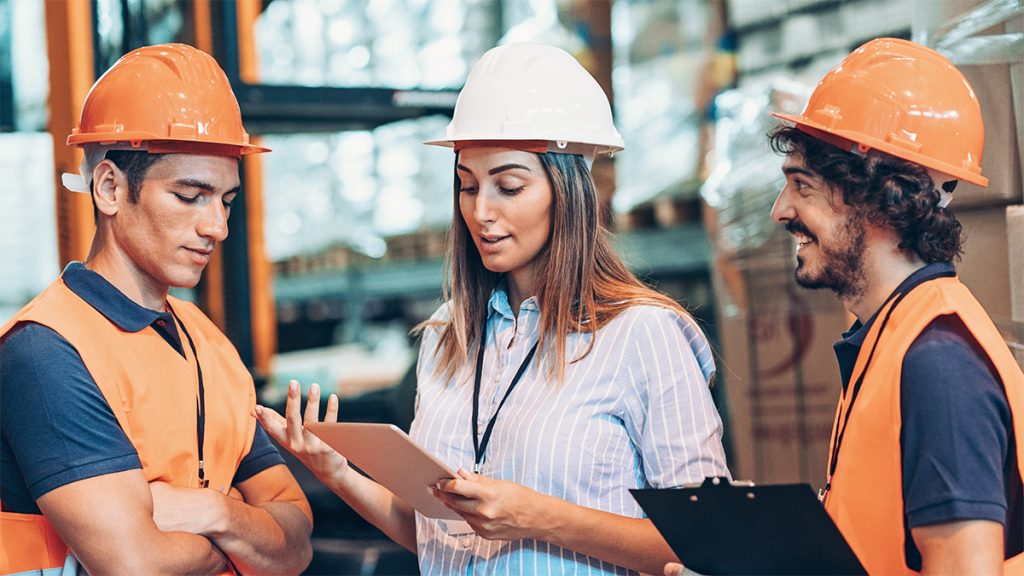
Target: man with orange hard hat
925, 465
927, 446
128, 443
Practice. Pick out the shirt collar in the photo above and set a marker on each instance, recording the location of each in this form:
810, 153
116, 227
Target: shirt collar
858, 331
108, 300
498, 303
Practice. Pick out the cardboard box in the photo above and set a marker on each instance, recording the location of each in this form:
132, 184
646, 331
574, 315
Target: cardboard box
778, 368
993, 243
998, 92
984, 266
1015, 237
1001, 162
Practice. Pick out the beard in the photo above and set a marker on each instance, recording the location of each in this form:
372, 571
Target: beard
842, 260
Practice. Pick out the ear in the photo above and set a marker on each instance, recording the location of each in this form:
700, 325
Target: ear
110, 187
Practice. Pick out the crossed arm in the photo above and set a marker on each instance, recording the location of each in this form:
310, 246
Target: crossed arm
120, 524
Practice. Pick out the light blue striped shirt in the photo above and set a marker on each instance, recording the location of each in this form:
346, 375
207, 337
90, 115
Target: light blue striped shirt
634, 413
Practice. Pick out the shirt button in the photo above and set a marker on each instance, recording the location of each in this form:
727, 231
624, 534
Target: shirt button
467, 541
160, 323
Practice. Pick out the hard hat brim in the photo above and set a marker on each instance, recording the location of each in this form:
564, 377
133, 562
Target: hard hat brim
159, 145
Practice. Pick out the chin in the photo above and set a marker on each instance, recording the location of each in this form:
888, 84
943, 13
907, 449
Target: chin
185, 282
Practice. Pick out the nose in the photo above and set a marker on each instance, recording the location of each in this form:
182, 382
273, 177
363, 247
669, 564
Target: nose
484, 206
782, 210
213, 222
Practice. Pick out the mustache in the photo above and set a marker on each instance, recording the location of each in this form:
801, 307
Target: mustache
797, 227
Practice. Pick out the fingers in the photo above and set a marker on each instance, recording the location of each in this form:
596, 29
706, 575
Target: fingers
467, 485
673, 569
272, 422
292, 413
463, 506
332, 409
313, 403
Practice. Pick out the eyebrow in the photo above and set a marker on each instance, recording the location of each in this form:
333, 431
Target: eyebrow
202, 185
498, 169
790, 170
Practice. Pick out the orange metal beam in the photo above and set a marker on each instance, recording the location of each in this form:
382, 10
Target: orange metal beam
69, 50
211, 287
261, 272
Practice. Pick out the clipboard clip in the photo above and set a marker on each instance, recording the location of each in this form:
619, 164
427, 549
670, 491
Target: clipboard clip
720, 481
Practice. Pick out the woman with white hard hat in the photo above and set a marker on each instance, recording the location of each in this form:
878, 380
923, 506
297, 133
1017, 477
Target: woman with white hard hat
552, 378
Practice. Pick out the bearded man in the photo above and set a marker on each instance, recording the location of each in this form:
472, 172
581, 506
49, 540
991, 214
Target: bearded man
925, 464
924, 472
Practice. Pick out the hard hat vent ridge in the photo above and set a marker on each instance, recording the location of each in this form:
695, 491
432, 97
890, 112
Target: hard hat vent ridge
904, 99
171, 93
533, 92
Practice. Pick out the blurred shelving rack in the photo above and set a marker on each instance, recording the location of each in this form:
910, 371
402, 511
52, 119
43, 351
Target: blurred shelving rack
661, 252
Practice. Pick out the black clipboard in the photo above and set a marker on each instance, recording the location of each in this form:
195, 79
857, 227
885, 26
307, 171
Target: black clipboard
738, 528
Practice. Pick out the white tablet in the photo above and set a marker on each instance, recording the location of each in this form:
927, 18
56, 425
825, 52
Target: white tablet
390, 457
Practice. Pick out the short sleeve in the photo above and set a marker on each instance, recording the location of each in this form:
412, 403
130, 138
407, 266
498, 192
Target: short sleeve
956, 423
57, 426
680, 430
261, 456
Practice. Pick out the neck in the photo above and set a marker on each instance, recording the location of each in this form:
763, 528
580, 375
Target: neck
520, 287
117, 268
885, 268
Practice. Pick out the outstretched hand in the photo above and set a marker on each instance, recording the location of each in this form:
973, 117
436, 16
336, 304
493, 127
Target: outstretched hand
323, 460
495, 509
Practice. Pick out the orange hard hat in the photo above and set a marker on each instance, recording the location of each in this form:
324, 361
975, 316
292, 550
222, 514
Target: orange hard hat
904, 99
173, 97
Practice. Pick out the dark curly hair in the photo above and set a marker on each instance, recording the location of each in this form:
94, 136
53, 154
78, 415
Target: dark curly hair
887, 191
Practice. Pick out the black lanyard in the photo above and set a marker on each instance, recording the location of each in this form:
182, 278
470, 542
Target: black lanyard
480, 446
201, 402
837, 432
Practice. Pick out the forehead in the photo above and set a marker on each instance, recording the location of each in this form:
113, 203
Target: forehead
483, 159
221, 172
795, 163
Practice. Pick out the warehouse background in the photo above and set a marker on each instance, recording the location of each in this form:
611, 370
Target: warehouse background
337, 251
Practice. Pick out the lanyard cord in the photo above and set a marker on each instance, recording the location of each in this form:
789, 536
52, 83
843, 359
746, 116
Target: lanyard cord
839, 433
479, 446
201, 402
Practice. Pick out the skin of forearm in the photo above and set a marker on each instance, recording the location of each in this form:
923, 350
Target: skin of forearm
960, 547
272, 538
107, 522
630, 542
178, 557
377, 505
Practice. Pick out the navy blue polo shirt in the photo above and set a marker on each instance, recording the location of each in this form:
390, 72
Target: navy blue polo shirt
956, 434
57, 427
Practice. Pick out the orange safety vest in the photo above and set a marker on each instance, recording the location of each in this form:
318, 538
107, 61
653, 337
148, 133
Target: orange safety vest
865, 498
153, 392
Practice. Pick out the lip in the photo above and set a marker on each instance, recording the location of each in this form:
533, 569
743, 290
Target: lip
802, 241
492, 243
199, 255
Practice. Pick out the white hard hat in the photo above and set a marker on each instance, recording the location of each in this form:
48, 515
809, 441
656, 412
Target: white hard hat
537, 95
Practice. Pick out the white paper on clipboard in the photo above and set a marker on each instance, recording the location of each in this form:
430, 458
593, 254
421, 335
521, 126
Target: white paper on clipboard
391, 458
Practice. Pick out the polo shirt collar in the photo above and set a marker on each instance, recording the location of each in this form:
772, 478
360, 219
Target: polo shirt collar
858, 332
108, 300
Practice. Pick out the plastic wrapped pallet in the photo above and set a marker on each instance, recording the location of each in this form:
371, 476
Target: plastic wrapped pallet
658, 52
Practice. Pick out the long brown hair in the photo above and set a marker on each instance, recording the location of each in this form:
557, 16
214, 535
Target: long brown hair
584, 285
